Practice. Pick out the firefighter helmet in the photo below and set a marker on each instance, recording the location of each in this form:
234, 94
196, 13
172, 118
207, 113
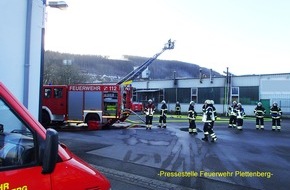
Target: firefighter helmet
275, 104
163, 102
191, 102
207, 102
259, 103
149, 101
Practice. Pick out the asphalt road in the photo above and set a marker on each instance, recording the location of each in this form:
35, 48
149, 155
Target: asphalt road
139, 159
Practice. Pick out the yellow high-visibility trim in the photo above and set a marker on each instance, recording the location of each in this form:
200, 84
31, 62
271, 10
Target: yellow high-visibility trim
127, 82
108, 117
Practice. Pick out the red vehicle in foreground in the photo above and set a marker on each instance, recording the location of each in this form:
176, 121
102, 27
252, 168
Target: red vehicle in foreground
32, 158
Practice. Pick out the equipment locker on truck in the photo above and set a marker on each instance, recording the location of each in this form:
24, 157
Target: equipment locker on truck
31, 157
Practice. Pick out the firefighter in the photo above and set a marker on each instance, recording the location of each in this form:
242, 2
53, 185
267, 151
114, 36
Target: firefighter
210, 103
232, 111
240, 116
203, 110
260, 111
149, 111
178, 109
191, 118
214, 111
162, 117
276, 114
208, 119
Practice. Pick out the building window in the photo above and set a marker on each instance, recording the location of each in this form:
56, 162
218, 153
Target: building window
183, 95
235, 94
235, 91
194, 94
177, 94
249, 94
217, 94
170, 95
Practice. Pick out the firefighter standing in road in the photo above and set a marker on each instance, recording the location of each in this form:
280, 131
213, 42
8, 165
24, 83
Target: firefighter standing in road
203, 110
214, 111
240, 116
276, 114
149, 111
260, 111
233, 115
178, 109
208, 119
162, 117
210, 103
191, 118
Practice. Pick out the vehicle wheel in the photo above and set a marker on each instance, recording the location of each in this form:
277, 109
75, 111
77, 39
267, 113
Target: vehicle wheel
92, 117
45, 119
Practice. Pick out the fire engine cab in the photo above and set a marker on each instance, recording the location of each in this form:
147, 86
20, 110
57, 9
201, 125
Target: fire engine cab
31, 157
84, 103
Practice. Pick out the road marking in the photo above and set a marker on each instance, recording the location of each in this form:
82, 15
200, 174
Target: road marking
140, 181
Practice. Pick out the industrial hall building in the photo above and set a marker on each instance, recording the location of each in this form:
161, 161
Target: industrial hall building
223, 90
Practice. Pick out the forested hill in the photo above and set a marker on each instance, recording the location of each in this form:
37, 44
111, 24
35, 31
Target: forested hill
164, 69
102, 65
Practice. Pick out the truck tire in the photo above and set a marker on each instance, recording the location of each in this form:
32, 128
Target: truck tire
45, 119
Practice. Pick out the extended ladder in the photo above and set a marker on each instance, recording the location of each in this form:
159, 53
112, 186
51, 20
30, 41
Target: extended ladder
135, 73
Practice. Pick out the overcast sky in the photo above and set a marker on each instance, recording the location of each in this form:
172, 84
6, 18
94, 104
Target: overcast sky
247, 36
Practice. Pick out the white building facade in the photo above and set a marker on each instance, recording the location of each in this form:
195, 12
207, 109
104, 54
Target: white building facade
21, 38
247, 89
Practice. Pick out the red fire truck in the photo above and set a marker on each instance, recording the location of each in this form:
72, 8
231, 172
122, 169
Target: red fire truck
32, 157
84, 103
92, 105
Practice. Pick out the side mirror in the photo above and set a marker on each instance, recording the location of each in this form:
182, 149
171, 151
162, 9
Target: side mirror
50, 151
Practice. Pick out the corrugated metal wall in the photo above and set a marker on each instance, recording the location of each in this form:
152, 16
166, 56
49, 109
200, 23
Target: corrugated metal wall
272, 87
